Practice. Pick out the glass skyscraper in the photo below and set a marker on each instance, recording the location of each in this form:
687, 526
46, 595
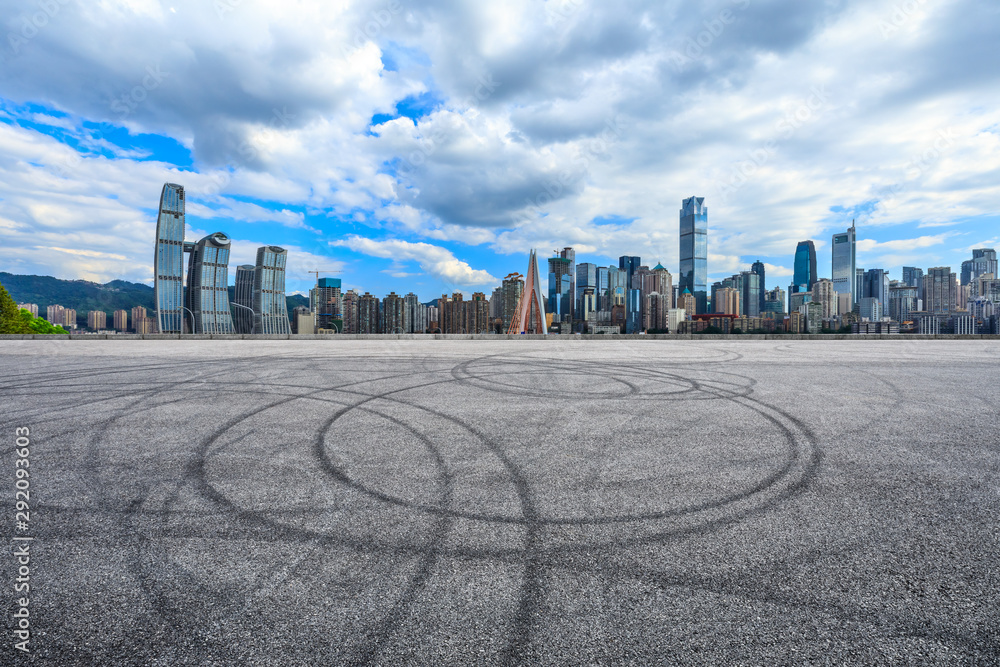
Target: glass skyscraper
560, 289
694, 250
758, 269
168, 261
805, 266
628, 266
207, 285
913, 276
845, 263
270, 307
243, 296
586, 276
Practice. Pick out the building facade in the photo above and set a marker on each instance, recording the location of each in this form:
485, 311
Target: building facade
804, 273
168, 261
940, 290
844, 263
270, 306
243, 319
694, 251
208, 286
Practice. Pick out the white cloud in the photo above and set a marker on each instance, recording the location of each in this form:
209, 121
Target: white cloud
434, 260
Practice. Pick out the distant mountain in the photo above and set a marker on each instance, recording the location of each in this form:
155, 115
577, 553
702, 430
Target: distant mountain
84, 296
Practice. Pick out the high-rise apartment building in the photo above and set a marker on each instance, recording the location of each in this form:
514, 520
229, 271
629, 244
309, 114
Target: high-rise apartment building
121, 320
54, 314
804, 274
416, 314
30, 307
97, 320
368, 314
845, 263
726, 301
657, 308
243, 317
208, 286
68, 318
476, 314
903, 300
326, 301
694, 251
350, 303
511, 290
394, 314
940, 290
824, 294
270, 306
168, 261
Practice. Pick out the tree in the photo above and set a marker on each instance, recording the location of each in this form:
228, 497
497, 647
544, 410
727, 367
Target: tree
38, 325
10, 319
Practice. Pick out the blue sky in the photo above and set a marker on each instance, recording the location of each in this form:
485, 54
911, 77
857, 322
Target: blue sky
427, 146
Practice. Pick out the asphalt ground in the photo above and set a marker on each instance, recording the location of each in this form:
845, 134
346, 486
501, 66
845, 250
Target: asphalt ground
512, 502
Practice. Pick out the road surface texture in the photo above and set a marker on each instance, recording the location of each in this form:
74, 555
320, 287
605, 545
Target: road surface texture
512, 502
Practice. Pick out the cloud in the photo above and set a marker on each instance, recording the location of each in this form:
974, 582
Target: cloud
434, 260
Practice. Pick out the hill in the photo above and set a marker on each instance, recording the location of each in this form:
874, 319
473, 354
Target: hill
84, 296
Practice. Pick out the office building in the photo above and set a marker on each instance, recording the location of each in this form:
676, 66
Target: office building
570, 256
913, 276
586, 277
870, 309
876, 285
121, 320
560, 289
804, 274
757, 268
208, 287
168, 261
984, 260
750, 293
844, 264
243, 320
97, 320
269, 303
903, 300
628, 266
940, 290
694, 251
774, 301
617, 285
633, 311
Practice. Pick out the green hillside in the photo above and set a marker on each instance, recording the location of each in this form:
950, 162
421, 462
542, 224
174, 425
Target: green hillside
84, 296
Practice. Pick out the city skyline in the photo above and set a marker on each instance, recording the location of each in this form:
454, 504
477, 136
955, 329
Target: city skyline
437, 163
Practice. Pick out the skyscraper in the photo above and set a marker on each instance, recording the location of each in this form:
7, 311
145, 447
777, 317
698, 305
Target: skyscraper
208, 286
805, 266
394, 314
826, 297
269, 304
586, 276
984, 260
368, 314
913, 276
628, 265
758, 269
121, 320
560, 289
325, 300
845, 263
511, 289
530, 314
694, 251
168, 261
876, 286
940, 290
416, 314
243, 297
570, 255
751, 294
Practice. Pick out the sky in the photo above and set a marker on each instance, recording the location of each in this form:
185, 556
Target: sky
427, 146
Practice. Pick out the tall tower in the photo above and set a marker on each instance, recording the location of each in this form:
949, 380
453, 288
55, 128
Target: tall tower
168, 261
758, 269
243, 296
844, 268
628, 265
530, 314
207, 285
805, 266
694, 251
570, 255
560, 289
269, 305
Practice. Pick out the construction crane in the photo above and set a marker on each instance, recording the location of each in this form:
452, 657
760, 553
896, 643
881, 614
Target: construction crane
319, 271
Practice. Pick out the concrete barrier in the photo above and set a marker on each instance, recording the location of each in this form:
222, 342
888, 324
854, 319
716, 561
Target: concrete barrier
496, 337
